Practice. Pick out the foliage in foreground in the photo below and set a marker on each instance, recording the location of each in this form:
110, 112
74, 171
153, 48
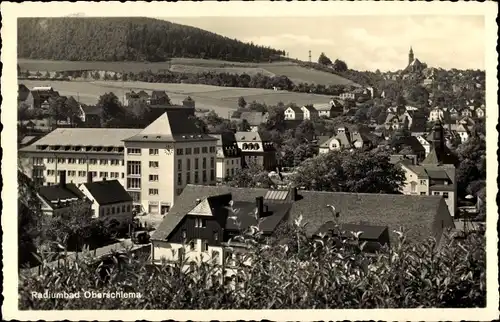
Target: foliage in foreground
297, 274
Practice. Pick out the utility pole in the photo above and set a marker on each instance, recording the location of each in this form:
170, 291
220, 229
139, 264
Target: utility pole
310, 56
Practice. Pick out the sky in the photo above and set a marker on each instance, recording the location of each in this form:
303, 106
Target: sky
363, 42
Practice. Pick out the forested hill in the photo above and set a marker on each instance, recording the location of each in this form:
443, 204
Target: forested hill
128, 39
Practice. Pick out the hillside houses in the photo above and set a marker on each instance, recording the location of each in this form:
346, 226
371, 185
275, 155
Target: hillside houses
254, 119
345, 139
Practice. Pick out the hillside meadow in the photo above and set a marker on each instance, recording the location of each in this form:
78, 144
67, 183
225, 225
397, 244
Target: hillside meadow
223, 100
297, 74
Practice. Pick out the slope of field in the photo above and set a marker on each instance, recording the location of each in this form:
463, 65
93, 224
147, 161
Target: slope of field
296, 73
222, 100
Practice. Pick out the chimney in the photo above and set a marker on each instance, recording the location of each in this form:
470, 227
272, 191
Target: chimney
259, 203
89, 177
62, 178
293, 193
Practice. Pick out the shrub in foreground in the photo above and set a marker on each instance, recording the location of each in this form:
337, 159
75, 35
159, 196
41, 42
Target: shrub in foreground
301, 273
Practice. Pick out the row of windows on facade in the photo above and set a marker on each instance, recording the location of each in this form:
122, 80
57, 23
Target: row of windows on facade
40, 161
181, 151
435, 193
135, 183
134, 167
115, 210
73, 173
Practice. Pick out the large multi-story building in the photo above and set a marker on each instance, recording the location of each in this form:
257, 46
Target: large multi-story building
228, 155
153, 164
256, 150
78, 151
161, 159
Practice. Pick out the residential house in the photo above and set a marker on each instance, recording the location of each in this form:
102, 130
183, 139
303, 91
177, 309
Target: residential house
436, 175
358, 94
159, 98
44, 125
62, 199
255, 149
254, 119
90, 115
310, 113
133, 98
42, 96
422, 139
204, 218
463, 132
189, 102
410, 144
163, 158
454, 113
466, 112
110, 201
438, 114
480, 112
23, 93
228, 156
294, 112
345, 139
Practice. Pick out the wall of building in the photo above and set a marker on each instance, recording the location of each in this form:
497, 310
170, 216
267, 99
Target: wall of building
421, 187
165, 251
227, 167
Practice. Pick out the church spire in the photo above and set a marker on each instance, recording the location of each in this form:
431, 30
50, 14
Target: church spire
410, 56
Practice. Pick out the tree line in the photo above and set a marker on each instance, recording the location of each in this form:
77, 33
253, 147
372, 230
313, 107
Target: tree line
129, 39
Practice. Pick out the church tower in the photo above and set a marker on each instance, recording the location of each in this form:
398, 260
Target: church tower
410, 56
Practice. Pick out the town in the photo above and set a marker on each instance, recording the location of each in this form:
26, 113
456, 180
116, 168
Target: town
178, 185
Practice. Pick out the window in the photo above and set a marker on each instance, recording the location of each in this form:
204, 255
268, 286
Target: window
123, 175
196, 179
153, 192
232, 161
113, 210
196, 163
134, 168
118, 209
124, 209
204, 163
102, 212
188, 151
212, 175
188, 165
153, 177
154, 164
204, 176
204, 149
423, 182
103, 174
61, 160
212, 149
232, 171
180, 151
133, 183
51, 160
38, 161
200, 223
192, 245
179, 179
81, 173
188, 178
134, 151
153, 152
205, 246
93, 161
196, 151
108, 211
153, 207
227, 172
445, 195
93, 174
115, 162
436, 193
129, 207
72, 173
82, 161
212, 162
179, 165
184, 235
103, 162
422, 193
216, 236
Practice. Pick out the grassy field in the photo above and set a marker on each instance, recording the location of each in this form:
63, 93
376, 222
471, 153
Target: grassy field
222, 100
191, 65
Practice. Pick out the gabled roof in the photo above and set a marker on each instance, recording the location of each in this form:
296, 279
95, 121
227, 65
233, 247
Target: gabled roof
410, 141
52, 194
171, 126
294, 108
158, 94
91, 110
108, 192
227, 141
143, 94
323, 107
416, 214
310, 108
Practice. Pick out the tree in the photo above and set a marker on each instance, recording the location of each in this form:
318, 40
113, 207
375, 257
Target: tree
112, 112
58, 108
241, 102
212, 119
305, 132
350, 171
200, 124
323, 60
47, 74
244, 126
252, 176
339, 66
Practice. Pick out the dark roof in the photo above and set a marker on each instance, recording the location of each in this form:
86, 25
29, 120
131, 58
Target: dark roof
142, 94
368, 232
295, 108
410, 141
442, 187
416, 214
158, 94
89, 109
227, 141
23, 92
245, 213
438, 174
438, 156
59, 192
108, 192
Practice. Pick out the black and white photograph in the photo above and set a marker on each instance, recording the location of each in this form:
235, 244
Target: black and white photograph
198, 158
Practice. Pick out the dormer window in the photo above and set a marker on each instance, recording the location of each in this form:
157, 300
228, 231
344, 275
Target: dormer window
200, 223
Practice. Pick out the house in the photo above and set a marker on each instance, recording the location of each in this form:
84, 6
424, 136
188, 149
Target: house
110, 201
480, 112
62, 198
345, 139
410, 144
90, 115
22, 93
159, 98
438, 114
310, 113
454, 114
463, 132
42, 96
254, 119
294, 112
256, 150
425, 144
204, 218
143, 96
228, 156
466, 112
189, 102
133, 97
436, 174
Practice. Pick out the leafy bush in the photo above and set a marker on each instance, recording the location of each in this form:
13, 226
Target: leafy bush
289, 272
